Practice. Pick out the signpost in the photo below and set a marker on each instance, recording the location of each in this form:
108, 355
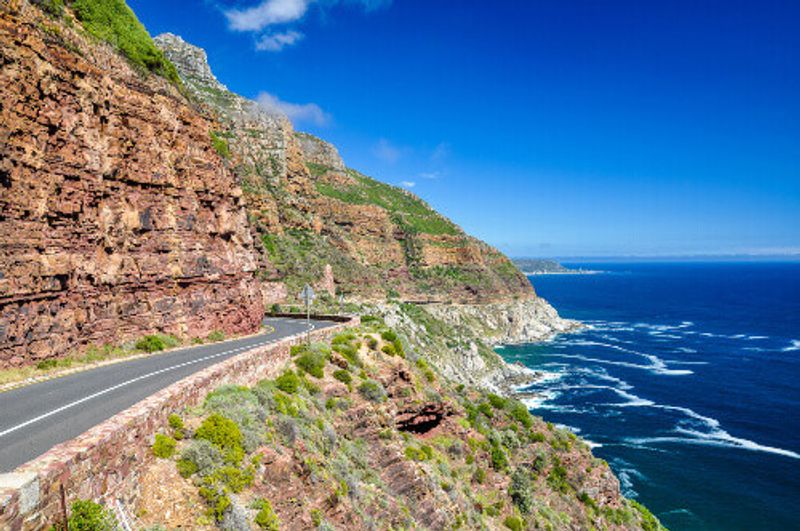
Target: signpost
307, 296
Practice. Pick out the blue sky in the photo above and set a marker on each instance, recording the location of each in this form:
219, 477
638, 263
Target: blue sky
547, 128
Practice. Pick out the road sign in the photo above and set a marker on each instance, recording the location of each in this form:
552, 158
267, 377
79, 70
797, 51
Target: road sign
307, 294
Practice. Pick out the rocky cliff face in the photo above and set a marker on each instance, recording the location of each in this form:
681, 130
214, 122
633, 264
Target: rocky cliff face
311, 211
117, 216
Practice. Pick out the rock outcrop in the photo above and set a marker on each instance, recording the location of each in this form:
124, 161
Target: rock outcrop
117, 216
378, 239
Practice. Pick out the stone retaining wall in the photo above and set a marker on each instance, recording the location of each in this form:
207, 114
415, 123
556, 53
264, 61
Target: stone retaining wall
104, 462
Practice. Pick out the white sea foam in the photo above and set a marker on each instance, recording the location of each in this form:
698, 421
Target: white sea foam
687, 350
794, 346
713, 436
591, 444
655, 368
536, 402
753, 338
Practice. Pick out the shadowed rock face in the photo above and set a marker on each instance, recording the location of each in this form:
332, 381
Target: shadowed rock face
117, 216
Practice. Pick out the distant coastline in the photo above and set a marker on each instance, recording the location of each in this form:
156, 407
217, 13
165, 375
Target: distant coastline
538, 266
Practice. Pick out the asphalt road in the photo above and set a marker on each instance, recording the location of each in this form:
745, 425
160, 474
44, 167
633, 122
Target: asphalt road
36, 417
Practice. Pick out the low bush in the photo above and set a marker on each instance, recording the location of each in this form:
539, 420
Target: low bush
200, 457
521, 490
220, 145
520, 413
175, 421
266, 517
497, 401
514, 523
389, 335
423, 453
223, 433
86, 515
164, 447
216, 335
389, 349
216, 499
235, 478
372, 390
151, 344
343, 376
498, 457
372, 343
349, 353
312, 362
288, 382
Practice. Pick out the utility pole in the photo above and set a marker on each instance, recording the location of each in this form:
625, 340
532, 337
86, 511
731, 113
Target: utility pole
307, 296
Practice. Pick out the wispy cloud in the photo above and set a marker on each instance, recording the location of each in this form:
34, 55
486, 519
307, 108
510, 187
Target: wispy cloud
296, 112
268, 13
386, 151
275, 42
408, 184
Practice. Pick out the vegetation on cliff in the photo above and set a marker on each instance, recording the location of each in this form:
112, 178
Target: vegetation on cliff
115, 23
390, 445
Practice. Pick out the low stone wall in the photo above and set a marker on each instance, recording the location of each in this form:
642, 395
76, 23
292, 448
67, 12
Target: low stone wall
104, 462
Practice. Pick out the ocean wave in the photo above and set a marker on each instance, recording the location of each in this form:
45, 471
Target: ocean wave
713, 436
538, 401
626, 473
794, 346
722, 440
753, 338
656, 368
686, 350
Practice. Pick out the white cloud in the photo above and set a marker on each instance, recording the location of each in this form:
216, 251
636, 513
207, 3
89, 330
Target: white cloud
408, 184
267, 13
386, 151
275, 42
296, 112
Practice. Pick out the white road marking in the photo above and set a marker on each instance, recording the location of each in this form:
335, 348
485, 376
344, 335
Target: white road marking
115, 387
310, 326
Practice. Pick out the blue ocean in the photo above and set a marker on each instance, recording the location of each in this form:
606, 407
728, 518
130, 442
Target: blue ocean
687, 381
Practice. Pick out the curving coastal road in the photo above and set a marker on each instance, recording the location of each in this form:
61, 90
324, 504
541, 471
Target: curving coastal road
35, 418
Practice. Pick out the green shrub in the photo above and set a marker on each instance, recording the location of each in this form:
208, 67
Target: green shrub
521, 490
498, 457
217, 501
349, 353
423, 453
86, 515
54, 8
186, 467
343, 376
372, 343
520, 412
175, 421
486, 409
312, 362
151, 344
223, 433
497, 401
216, 335
200, 457
372, 390
514, 523
557, 478
235, 478
649, 522
388, 349
47, 364
164, 447
266, 517
288, 382
389, 335
343, 338
479, 476
220, 145
113, 21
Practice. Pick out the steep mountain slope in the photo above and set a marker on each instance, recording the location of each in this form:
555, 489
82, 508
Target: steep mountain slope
118, 217
311, 211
